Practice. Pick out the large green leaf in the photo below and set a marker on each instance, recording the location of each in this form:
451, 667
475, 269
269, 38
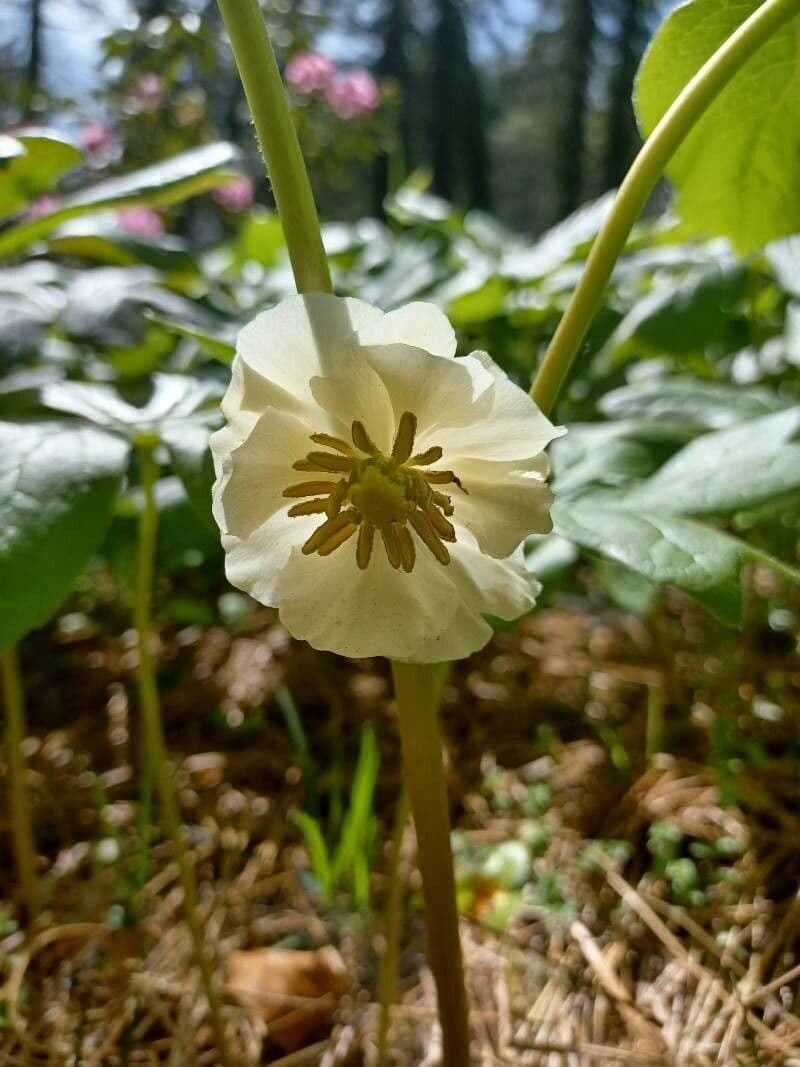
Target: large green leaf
187, 443
164, 183
31, 164
664, 549
728, 471
706, 405
58, 483
685, 315
173, 397
738, 172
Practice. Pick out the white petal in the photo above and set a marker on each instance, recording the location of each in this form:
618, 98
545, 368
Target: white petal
418, 324
502, 588
440, 392
502, 504
499, 587
255, 564
355, 391
468, 632
336, 607
292, 342
254, 474
513, 429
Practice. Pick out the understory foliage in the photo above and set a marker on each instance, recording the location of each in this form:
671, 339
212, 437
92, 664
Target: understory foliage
681, 461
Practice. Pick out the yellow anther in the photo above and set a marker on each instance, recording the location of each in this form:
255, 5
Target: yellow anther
404, 438
309, 488
362, 440
328, 534
366, 539
389, 494
335, 443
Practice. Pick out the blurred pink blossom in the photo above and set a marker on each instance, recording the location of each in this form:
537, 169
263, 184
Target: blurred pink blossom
43, 205
310, 71
143, 221
148, 92
353, 93
97, 137
236, 196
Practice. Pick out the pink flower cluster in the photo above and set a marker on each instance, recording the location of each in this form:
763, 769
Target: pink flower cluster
349, 93
98, 137
236, 196
140, 220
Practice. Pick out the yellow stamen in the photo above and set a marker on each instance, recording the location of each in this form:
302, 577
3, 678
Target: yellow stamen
328, 533
362, 440
337, 539
430, 455
443, 502
392, 544
336, 499
309, 507
336, 443
404, 438
309, 488
428, 536
408, 554
366, 539
329, 461
441, 478
443, 528
374, 491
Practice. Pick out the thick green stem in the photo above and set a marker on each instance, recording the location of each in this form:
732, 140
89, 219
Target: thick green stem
21, 823
156, 743
277, 136
417, 687
639, 184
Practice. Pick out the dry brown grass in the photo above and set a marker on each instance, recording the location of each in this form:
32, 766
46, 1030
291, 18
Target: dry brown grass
621, 972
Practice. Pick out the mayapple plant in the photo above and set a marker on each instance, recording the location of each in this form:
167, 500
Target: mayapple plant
374, 488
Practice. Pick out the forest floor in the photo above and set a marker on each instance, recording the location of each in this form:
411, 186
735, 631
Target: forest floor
647, 912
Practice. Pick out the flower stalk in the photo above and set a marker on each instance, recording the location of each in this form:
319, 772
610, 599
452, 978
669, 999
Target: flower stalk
277, 136
154, 734
648, 167
21, 823
418, 689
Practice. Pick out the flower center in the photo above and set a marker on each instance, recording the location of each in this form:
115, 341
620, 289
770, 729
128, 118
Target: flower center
375, 492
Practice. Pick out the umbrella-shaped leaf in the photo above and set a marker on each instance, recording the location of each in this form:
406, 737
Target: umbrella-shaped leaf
58, 483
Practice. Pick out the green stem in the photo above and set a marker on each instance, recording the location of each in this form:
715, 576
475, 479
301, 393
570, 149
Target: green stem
277, 136
639, 184
21, 823
154, 733
418, 687
392, 926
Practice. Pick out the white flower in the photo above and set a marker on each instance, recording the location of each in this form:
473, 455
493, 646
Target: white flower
372, 486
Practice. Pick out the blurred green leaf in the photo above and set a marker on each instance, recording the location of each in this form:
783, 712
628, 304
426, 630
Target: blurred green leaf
162, 184
727, 471
629, 590
172, 397
58, 483
706, 405
686, 315
30, 164
187, 443
664, 549
738, 171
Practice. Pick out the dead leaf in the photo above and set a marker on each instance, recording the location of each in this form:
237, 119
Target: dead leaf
295, 992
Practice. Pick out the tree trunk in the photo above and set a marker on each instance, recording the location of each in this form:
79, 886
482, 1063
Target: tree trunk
622, 138
578, 52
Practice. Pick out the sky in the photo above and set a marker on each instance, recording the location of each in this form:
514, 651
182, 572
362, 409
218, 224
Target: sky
75, 28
